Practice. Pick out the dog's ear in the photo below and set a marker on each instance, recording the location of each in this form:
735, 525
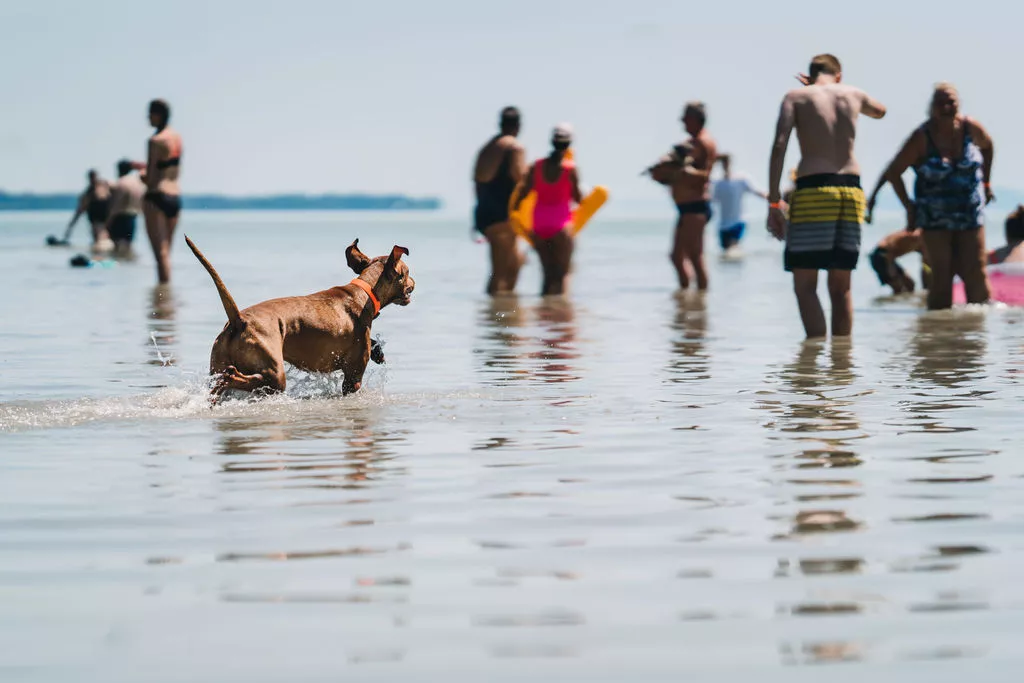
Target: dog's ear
396, 256
357, 260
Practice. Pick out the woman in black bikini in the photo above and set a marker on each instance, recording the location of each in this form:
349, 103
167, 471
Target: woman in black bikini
163, 196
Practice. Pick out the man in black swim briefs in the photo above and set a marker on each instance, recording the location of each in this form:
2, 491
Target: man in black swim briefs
687, 170
499, 167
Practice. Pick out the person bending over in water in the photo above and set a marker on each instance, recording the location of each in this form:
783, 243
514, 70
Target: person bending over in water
1013, 252
95, 204
500, 166
557, 184
687, 170
887, 268
162, 204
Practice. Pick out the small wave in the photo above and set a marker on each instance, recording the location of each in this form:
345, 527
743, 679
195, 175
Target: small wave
308, 396
190, 400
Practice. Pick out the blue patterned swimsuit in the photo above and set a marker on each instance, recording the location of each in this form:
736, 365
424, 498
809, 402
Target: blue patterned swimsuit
948, 193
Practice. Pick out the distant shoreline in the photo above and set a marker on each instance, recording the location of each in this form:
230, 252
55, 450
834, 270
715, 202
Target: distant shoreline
215, 202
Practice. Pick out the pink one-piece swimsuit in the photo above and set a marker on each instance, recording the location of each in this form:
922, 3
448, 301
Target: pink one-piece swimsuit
553, 211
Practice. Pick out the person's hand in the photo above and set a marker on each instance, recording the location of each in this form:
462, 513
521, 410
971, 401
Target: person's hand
989, 196
803, 78
911, 218
777, 223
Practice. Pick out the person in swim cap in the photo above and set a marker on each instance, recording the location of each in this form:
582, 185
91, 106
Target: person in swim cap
556, 181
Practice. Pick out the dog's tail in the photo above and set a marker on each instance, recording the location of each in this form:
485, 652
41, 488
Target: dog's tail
230, 307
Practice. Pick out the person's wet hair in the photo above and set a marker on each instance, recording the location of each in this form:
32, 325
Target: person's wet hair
92, 174
162, 109
940, 89
1015, 226
824, 64
510, 119
124, 167
698, 110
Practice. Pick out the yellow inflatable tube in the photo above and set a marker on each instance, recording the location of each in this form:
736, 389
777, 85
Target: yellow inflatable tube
522, 218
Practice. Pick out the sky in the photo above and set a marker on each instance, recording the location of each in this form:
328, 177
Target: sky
339, 96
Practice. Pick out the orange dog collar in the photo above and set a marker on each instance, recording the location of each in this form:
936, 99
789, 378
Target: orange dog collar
365, 286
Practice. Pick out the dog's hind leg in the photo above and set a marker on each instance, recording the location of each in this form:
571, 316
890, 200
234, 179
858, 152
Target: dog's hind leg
268, 381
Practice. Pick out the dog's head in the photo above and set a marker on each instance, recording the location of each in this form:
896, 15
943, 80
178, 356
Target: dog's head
389, 275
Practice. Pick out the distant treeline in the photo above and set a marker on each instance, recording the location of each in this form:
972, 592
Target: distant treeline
284, 202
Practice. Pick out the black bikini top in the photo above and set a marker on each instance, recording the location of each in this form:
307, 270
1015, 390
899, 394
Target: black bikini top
167, 163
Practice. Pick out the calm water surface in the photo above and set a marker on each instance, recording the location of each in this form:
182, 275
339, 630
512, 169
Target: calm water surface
624, 485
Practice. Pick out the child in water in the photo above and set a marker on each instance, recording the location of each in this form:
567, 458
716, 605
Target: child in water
557, 184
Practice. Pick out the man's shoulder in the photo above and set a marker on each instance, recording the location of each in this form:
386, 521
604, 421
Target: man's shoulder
508, 142
705, 138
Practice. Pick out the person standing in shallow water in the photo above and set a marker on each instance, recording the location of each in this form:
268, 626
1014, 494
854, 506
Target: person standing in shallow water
125, 204
499, 167
728, 193
952, 156
687, 171
822, 229
557, 183
162, 205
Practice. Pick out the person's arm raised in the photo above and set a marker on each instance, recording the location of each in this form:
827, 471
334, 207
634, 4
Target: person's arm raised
871, 107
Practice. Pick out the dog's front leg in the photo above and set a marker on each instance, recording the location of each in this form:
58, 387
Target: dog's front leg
353, 366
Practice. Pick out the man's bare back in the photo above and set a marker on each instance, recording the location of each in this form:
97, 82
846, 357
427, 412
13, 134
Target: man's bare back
489, 159
825, 117
822, 230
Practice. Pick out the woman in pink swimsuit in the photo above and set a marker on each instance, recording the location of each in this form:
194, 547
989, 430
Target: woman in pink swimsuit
557, 185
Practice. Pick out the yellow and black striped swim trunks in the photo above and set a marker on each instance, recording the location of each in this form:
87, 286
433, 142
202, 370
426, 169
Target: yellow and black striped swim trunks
824, 223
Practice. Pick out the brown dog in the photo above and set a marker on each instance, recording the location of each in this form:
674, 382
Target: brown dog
322, 332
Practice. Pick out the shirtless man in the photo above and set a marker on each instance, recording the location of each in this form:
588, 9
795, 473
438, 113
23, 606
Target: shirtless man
822, 231
499, 167
125, 205
687, 170
162, 203
94, 202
